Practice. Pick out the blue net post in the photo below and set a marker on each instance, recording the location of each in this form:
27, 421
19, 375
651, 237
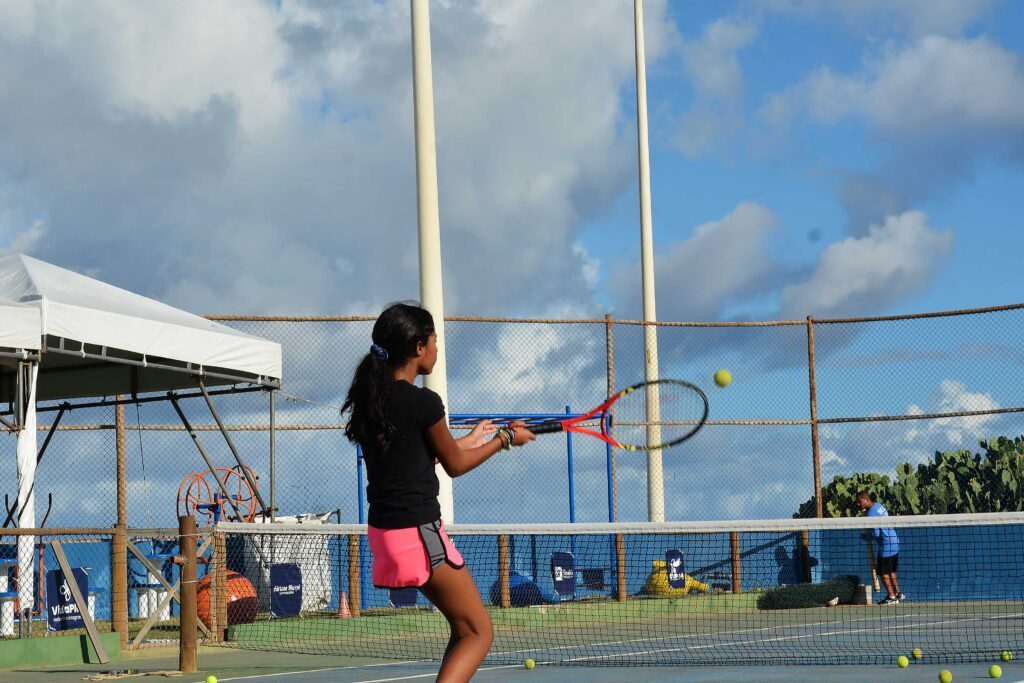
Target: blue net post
359, 483
572, 485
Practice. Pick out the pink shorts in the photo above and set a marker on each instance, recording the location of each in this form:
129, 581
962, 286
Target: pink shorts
407, 557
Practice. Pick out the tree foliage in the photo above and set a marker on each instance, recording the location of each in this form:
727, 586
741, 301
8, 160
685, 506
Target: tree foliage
953, 482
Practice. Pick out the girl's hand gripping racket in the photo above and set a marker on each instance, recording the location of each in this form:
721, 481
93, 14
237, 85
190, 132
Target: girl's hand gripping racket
677, 411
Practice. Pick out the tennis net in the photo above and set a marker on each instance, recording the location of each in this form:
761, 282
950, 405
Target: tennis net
796, 591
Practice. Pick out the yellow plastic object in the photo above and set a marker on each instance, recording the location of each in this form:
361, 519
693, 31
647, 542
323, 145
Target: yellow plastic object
657, 583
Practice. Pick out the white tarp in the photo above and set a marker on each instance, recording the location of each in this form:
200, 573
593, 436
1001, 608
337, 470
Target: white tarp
26, 496
85, 310
19, 326
311, 552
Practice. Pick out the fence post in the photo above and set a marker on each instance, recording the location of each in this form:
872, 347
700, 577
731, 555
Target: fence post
119, 544
737, 567
355, 574
217, 570
503, 571
816, 453
189, 635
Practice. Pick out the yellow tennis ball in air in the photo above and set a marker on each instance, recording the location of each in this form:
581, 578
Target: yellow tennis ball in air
995, 671
917, 653
211, 679
1007, 655
723, 378
529, 663
945, 676
902, 662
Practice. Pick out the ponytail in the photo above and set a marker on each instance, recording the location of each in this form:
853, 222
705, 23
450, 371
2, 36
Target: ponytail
396, 334
368, 399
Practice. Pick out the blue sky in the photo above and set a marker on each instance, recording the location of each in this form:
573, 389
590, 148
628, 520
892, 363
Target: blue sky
798, 170
822, 157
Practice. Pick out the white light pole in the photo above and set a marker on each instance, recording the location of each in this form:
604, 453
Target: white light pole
655, 482
431, 294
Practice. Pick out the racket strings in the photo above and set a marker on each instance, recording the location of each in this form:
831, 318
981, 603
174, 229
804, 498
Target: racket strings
658, 414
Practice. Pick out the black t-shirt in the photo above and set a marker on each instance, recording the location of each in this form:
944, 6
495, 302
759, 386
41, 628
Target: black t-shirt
402, 486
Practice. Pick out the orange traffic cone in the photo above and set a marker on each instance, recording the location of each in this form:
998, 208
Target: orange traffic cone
343, 612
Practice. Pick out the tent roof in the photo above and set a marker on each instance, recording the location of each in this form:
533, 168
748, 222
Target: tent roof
19, 326
90, 328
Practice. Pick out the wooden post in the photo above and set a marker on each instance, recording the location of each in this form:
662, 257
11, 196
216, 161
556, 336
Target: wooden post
187, 532
734, 544
620, 568
805, 556
219, 587
503, 571
119, 544
815, 452
354, 576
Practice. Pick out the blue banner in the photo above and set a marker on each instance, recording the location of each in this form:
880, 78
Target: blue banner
675, 568
61, 611
563, 573
285, 590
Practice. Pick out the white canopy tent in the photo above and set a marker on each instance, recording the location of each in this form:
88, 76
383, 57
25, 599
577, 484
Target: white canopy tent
20, 330
64, 335
93, 333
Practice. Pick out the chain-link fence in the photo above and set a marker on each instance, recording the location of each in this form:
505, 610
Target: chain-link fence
812, 402
888, 391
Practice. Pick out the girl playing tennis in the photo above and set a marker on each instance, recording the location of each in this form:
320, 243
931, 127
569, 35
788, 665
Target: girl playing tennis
402, 431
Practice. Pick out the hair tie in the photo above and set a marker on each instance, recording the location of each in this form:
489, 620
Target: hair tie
379, 351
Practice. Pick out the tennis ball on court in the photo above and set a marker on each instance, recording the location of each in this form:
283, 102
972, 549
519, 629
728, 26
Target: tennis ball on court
211, 679
902, 662
723, 378
529, 663
1007, 655
917, 653
995, 671
945, 676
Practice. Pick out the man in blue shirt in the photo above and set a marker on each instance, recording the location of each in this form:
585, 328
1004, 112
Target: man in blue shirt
887, 548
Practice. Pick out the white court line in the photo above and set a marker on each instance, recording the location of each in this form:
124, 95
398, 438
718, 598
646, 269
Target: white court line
923, 621
333, 668
772, 640
434, 675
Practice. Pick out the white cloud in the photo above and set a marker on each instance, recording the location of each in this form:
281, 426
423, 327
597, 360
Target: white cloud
259, 156
934, 85
896, 258
712, 61
713, 66
722, 260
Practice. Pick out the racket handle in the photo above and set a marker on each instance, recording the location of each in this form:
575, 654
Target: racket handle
546, 427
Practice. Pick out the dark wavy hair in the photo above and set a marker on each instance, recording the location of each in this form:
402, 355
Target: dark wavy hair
397, 332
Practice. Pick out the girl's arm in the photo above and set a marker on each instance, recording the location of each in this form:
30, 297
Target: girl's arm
456, 461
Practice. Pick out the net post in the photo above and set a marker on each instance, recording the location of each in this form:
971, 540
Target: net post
354, 579
189, 636
119, 543
734, 545
813, 386
503, 571
620, 567
805, 556
218, 587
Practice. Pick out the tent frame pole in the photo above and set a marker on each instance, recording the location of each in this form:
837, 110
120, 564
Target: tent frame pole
242, 465
206, 457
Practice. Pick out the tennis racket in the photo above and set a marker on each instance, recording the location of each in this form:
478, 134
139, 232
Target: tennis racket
677, 411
